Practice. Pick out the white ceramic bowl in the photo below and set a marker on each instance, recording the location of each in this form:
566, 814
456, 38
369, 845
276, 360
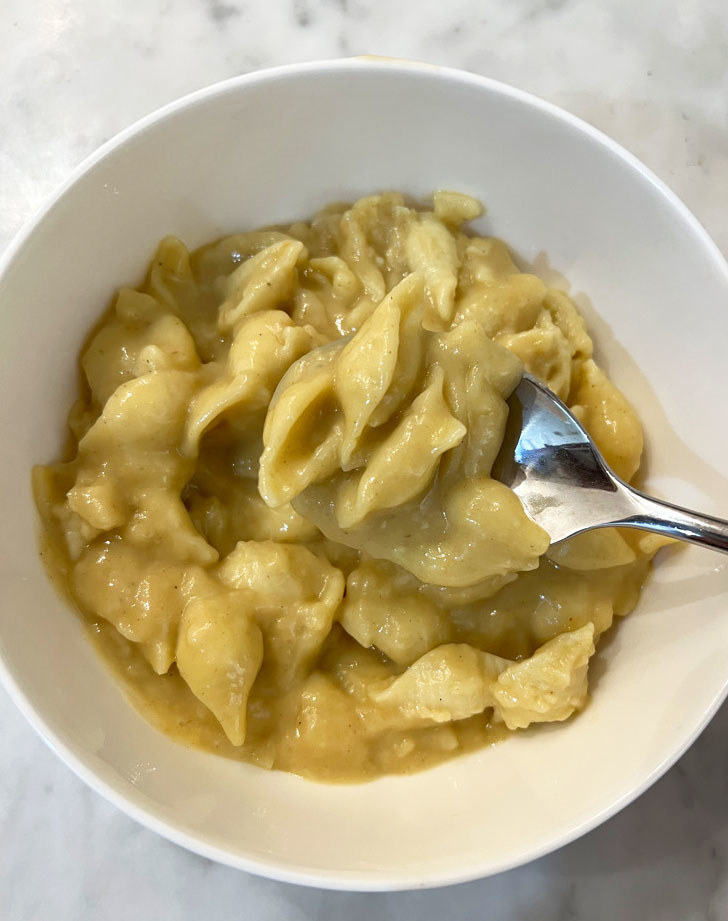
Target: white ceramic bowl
276, 145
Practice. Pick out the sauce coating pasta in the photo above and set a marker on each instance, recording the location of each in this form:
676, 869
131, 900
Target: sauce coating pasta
278, 517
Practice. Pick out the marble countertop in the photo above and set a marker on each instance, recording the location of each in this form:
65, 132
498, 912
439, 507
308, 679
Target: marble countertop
72, 74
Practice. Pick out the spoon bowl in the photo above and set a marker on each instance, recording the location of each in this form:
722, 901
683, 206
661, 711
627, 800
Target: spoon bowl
549, 460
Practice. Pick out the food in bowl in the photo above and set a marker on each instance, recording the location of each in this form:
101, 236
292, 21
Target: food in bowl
277, 514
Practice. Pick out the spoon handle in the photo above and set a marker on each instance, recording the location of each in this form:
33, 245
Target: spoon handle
672, 521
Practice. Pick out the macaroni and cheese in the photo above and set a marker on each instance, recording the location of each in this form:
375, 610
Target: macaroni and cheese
278, 518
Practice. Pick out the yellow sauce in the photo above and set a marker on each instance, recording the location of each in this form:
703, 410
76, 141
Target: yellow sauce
296, 555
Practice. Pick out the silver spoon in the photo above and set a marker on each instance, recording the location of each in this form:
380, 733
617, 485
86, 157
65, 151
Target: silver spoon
566, 487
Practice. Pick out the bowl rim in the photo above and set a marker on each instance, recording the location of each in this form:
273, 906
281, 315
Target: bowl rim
131, 802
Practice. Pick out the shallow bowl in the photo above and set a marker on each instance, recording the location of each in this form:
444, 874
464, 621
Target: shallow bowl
274, 146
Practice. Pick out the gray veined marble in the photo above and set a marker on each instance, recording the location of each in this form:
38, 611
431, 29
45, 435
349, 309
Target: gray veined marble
72, 74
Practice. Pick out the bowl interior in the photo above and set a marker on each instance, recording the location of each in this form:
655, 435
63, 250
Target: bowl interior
276, 146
